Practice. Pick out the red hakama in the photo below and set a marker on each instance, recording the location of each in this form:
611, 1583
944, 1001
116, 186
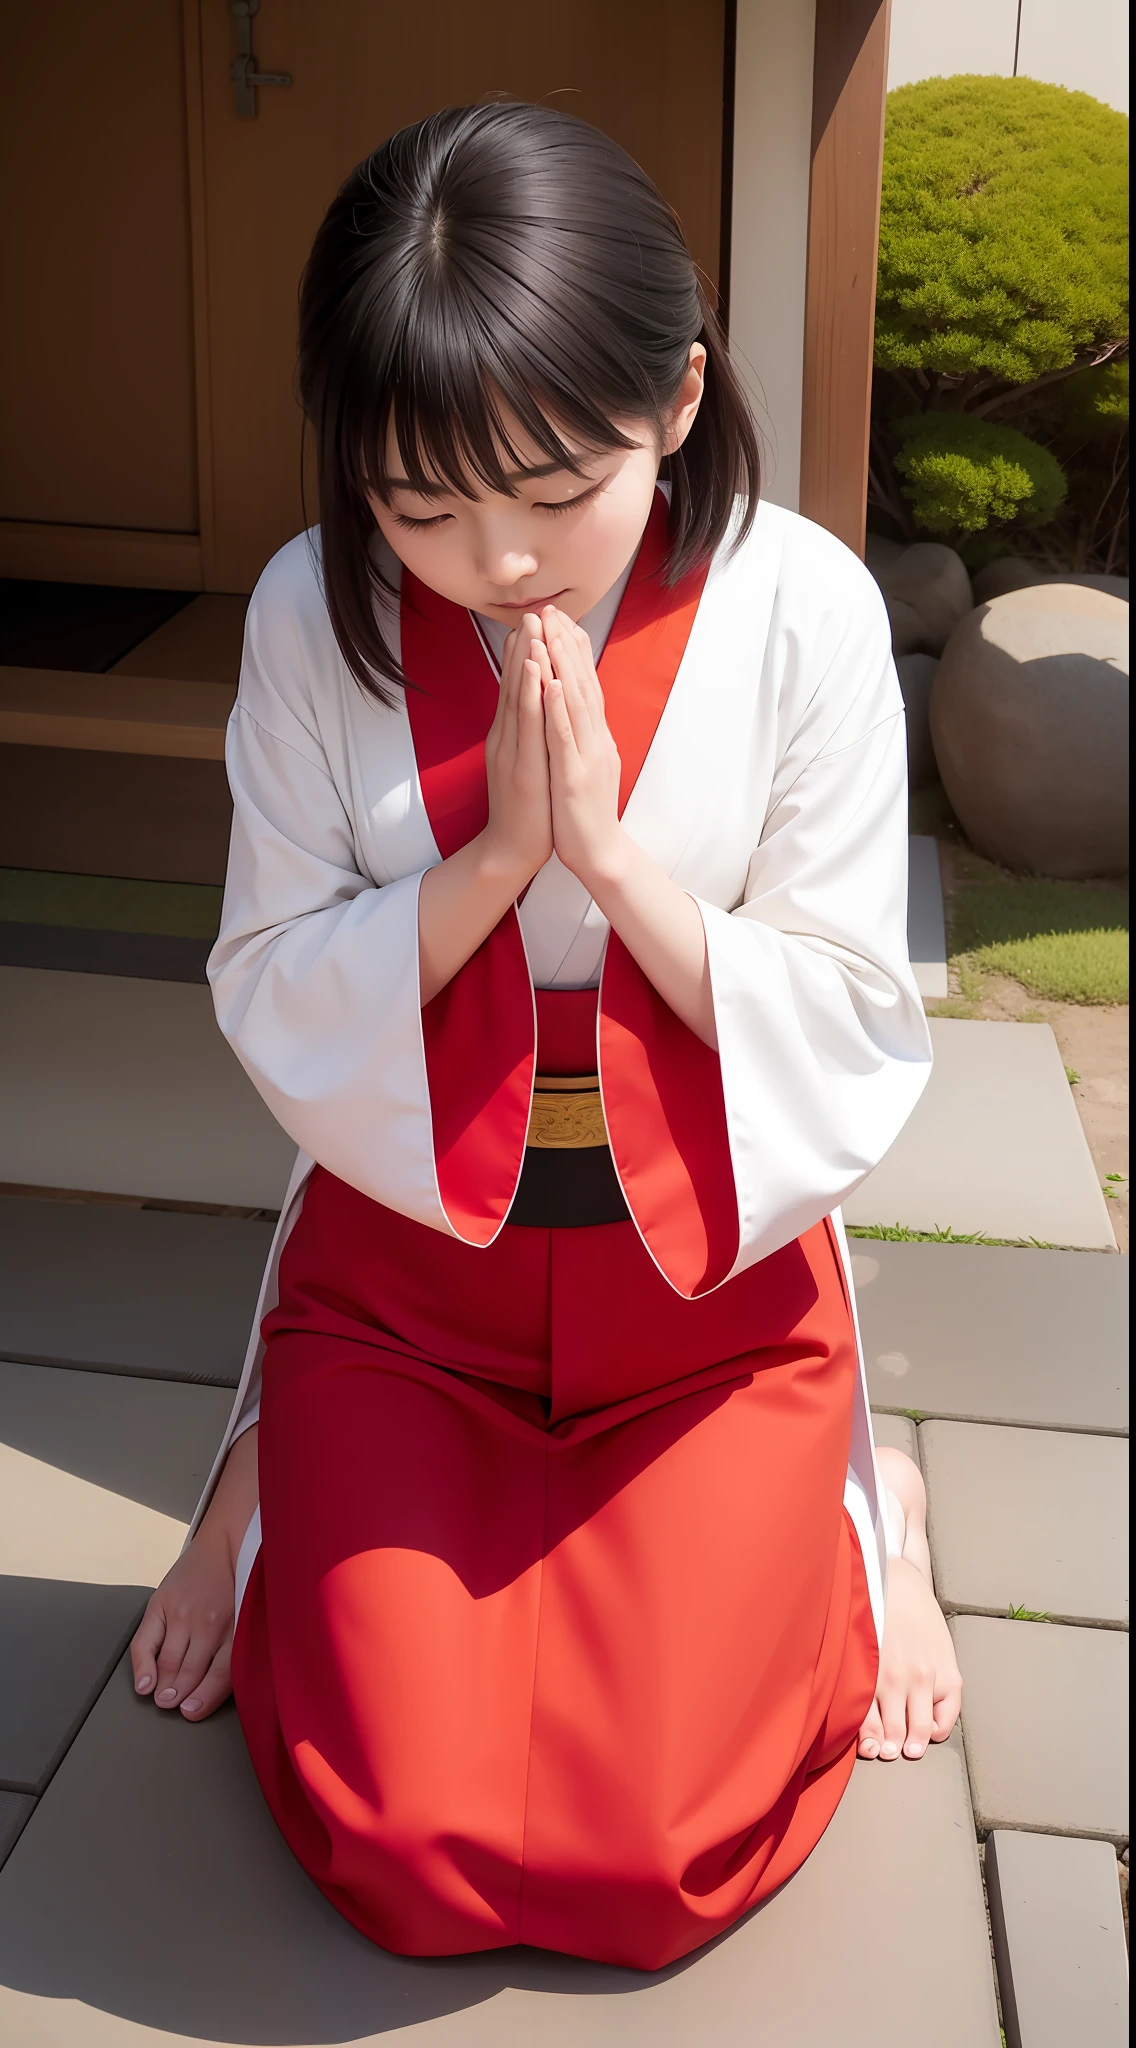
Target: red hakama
559, 1632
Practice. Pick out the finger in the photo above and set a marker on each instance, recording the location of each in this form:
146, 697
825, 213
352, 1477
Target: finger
148, 1639
871, 1733
892, 1701
920, 1718
170, 1660
562, 651
947, 1704
557, 724
199, 1655
214, 1688
589, 675
531, 742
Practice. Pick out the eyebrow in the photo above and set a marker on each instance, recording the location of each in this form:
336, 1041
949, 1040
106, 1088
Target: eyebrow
444, 490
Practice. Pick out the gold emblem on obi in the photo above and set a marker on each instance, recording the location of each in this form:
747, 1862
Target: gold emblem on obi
567, 1114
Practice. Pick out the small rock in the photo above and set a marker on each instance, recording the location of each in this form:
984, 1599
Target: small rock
916, 674
1013, 572
1029, 721
927, 591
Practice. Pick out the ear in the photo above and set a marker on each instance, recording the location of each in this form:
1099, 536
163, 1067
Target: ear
689, 399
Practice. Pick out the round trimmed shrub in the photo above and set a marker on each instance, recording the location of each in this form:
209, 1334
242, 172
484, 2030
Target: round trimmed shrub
1003, 230
963, 474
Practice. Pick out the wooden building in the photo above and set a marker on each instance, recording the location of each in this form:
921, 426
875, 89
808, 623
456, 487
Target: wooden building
158, 207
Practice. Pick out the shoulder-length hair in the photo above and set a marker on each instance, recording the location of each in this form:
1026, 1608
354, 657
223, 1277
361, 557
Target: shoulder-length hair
495, 262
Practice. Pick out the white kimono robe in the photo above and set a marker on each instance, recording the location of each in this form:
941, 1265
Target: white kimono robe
774, 792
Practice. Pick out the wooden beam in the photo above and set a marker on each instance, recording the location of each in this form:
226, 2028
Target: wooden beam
105, 714
849, 94
99, 554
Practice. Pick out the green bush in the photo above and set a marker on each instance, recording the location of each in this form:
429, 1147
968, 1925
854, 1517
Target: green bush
1001, 316
963, 475
1003, 228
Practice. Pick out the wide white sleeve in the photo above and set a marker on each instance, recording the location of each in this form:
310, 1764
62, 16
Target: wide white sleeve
315, 971
823, 1044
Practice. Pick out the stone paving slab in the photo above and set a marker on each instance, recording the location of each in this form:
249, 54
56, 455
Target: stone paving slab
896, 1433
926, 928
1045, 1720
61, 1643
99, 1475
142, 1291
150, 1894
1032, 1518
127, 1087
1059, 1941
993, 1145
982, 1334
16, 1809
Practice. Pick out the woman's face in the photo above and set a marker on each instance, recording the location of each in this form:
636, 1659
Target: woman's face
561, 539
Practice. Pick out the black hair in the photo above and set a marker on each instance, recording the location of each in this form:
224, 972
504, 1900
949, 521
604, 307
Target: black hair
492, 260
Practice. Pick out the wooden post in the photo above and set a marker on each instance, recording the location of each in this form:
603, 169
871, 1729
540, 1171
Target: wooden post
849, 92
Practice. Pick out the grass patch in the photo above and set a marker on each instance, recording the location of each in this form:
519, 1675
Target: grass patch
1064, 941
1026, 1614
898, 1233
184, 910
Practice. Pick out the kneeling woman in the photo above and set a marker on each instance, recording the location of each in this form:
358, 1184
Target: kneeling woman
565, 933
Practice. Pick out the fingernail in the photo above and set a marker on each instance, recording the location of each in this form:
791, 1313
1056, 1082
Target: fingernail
143, 1684
192, 1706
168, 1692
889, 1749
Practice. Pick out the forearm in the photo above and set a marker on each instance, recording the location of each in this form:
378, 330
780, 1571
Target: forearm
235, 1495
662, 928
459, 904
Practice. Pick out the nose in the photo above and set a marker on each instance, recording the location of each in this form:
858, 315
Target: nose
505, 563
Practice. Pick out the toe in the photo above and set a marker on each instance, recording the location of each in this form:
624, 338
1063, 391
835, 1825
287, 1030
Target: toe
871, 1733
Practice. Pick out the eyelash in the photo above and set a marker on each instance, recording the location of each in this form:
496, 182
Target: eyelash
568, 505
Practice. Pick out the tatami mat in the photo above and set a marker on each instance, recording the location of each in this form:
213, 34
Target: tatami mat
127, 1087
994, 1145
150, 1898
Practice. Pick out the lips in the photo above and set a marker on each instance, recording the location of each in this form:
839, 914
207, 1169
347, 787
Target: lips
529, 604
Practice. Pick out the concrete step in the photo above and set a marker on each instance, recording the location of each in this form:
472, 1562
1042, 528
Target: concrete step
896, 1433
926, 929
151, 1827
979, 1334
148, 1292
994, 1145
1032, 1518
16, 1809
127, 1087
1045, 1720
1059, 1941
100, 1475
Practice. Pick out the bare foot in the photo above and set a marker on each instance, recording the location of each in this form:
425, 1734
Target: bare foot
919, 1687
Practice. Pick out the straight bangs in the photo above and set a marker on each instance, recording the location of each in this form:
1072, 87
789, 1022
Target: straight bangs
502, 263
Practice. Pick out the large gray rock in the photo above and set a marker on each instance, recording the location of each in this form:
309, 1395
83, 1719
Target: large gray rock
1013, 572
1029, 721
916, 674
926, 590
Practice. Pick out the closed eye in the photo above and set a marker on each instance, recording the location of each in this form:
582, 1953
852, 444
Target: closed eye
569, 504
420, 525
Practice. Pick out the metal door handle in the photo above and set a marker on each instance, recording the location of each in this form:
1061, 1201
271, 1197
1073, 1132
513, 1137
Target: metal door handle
242, 70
